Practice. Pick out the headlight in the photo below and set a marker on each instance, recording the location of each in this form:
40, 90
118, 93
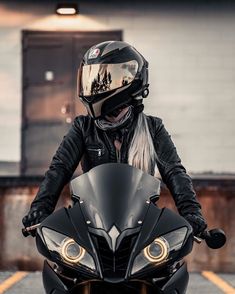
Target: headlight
159, 250
70, 251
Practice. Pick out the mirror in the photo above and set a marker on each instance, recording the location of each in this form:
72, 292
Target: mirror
215, 238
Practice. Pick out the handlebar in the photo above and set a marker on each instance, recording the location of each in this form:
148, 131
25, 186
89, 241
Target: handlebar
215, 238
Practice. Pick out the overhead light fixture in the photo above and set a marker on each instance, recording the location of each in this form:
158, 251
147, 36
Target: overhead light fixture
67, 8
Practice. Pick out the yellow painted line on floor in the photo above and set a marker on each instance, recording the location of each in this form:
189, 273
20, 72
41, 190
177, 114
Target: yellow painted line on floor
8, 283
219, 282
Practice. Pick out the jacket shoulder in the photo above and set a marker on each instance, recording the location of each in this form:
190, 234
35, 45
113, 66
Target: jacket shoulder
154, 122
82, 121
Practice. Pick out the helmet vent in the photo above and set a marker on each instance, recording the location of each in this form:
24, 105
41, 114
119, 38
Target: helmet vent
145, 93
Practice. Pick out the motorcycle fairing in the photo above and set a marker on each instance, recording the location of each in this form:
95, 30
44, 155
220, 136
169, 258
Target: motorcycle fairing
104, 234
124, 193
71, 223
157, 223
52, 283
177, 283
114, 194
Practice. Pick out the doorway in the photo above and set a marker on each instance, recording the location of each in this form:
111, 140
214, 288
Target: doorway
49, 105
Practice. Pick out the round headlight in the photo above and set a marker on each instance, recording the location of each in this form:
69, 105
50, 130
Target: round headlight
71, 251
157, 251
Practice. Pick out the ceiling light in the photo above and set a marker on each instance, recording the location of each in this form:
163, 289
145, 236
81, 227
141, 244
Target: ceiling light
67, 8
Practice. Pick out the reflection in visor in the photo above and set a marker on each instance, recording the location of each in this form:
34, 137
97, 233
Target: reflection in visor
100, 78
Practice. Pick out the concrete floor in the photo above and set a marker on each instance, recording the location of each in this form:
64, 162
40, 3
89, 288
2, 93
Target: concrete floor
32, 283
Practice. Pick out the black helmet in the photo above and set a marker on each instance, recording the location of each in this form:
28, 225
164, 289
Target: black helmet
111, 75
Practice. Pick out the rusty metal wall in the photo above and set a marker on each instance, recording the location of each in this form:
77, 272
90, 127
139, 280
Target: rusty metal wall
216, 196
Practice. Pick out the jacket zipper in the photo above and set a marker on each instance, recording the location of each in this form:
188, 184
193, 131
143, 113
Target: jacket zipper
98, 150
113, 147
118, 155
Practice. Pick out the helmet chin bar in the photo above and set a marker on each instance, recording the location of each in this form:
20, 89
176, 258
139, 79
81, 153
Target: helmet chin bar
100, 108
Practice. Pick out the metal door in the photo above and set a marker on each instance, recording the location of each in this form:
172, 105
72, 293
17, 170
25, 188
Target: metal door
49, 104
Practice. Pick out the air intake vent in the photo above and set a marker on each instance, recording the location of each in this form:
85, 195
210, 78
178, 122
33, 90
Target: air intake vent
114, 262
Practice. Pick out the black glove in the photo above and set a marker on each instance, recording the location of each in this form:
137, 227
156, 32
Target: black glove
34, 217
197, 222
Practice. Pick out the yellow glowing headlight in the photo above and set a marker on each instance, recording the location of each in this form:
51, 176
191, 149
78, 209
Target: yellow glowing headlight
71, 251
157, 251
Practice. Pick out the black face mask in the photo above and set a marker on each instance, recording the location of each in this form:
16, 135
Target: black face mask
115, 112
106, 125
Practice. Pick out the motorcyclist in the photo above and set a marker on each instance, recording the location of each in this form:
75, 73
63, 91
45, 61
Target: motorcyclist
112, 82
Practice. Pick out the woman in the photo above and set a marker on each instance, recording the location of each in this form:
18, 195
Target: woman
112, 82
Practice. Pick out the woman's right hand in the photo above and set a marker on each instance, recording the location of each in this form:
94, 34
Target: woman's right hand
197, 223
34, 217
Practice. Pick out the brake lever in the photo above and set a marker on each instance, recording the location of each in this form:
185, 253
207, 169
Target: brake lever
201, 237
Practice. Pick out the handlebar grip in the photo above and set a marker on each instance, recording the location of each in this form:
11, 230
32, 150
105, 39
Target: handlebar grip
25, 232
204, 235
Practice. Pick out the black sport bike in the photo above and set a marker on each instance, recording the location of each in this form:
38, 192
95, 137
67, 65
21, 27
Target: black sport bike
115, 239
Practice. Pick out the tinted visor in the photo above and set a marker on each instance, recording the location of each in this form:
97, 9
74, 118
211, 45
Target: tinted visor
101, 78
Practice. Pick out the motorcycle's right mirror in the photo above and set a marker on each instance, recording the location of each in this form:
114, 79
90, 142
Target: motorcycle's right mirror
215, 238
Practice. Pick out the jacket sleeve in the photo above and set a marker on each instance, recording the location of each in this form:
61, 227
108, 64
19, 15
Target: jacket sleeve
173, 172
61, 169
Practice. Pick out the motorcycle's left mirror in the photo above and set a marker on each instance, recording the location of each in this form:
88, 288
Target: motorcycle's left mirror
215, 238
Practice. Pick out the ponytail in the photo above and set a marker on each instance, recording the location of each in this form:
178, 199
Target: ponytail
142, 153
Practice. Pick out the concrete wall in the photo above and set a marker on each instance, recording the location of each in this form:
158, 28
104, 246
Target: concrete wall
217, 199
9, 168
192, 69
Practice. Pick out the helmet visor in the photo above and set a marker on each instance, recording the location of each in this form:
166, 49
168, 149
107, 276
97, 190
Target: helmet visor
101, 78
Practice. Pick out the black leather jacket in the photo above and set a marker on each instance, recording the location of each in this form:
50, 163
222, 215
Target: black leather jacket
87, 143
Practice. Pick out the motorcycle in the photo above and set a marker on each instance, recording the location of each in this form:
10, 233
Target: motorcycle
115, 239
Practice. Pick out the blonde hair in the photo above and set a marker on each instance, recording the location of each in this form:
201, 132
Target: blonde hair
142, 153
